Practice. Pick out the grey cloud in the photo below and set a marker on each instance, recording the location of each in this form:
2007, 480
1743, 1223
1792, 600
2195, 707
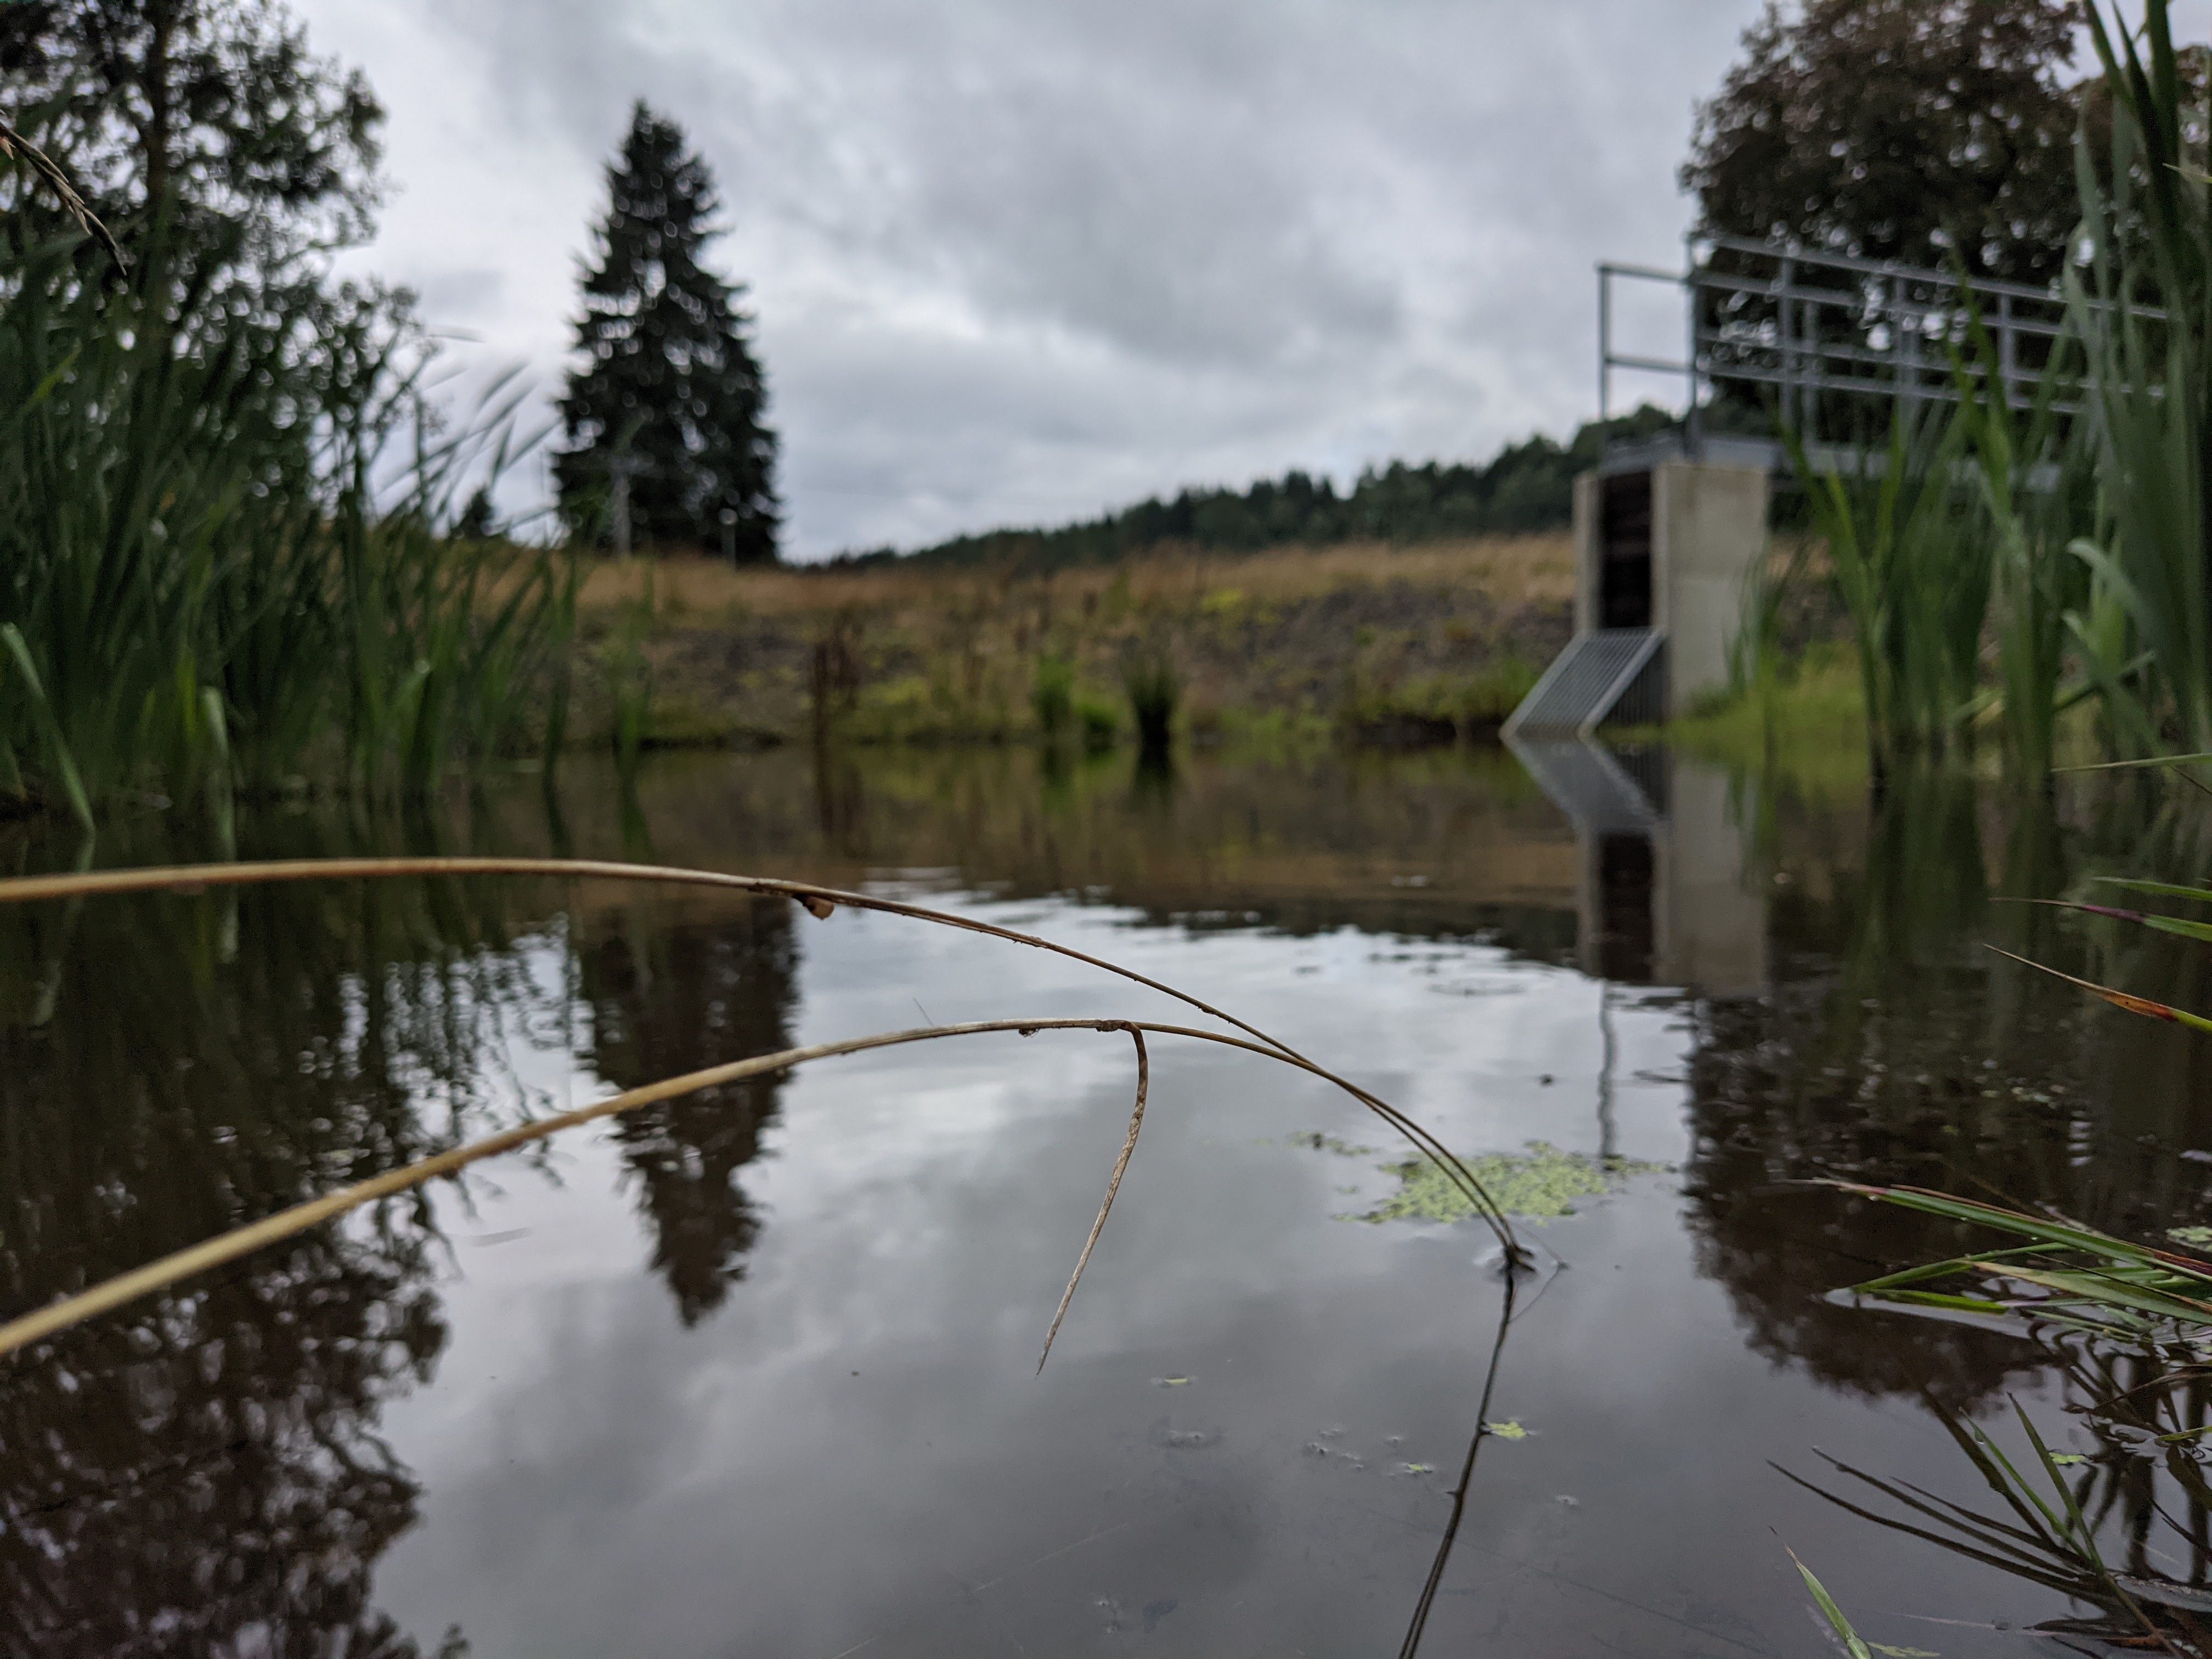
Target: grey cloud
1014, 260
462, 295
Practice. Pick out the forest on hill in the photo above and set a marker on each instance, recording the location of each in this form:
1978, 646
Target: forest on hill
1525, 489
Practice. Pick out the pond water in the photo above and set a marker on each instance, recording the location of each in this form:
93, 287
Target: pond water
756, 1371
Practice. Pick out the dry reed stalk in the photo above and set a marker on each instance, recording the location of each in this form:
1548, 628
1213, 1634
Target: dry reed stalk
1113, 1186
125, 1288
821, 901
13, 143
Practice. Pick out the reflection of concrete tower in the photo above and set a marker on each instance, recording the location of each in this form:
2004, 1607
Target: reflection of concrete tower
1664, 897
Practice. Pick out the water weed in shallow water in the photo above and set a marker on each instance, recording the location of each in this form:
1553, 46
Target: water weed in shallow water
1539, 1185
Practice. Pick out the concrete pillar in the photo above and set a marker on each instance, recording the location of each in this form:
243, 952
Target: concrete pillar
1708, 535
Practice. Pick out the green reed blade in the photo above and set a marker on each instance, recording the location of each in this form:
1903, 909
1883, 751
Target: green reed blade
1939, 1299
2162, 888
2068, 1234
2135, 1005
2180, 927
1834, 1614
2151, 762
2100, 1290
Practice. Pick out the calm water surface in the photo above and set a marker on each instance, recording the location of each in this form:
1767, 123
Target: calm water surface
756, 1372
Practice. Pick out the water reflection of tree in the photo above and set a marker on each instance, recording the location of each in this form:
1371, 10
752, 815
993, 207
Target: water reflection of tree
679, 999
1893, 1047
203, 1475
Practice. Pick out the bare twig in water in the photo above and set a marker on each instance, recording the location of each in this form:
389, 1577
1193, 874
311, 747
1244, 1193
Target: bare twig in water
819, 901
1113, 1186
1422, 1608
13, 143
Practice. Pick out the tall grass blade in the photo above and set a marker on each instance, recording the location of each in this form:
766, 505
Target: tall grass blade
2147, 1007
823, 902
57, 745
1834, 1614
171, 1269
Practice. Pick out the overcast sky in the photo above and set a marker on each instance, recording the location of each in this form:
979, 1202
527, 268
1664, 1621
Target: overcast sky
1016, 261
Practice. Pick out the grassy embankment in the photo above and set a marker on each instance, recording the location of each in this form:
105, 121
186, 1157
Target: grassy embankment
1362, 640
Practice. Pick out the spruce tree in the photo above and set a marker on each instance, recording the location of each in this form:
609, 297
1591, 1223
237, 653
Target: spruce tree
670, 398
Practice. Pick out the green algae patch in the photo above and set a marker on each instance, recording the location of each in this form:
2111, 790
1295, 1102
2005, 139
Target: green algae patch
1539, 1184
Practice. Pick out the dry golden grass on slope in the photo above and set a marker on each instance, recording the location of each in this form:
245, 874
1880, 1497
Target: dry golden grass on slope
1360, 636
1512, 571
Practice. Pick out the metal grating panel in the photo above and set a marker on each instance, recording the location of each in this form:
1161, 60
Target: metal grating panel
1582, 687
1643, 700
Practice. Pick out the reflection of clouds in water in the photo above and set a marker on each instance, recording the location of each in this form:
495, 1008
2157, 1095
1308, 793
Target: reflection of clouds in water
1370, 1014
854, 1445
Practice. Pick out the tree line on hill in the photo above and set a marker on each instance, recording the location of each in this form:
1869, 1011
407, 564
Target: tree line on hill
1526, 487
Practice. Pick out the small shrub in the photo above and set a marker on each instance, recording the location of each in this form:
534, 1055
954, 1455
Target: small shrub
1154, 690
1098, 719
1053, 698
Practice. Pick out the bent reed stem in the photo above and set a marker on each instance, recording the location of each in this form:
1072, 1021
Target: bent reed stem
1113, 1186
158, 1275
192, 876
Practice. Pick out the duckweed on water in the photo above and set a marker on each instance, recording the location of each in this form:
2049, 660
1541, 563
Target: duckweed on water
1539, 1184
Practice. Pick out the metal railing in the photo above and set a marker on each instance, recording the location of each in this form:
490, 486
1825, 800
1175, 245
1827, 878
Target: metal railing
1814, 323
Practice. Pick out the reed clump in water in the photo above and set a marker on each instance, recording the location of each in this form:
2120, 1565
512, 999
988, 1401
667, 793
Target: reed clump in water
228, 561
2126, 1324
1154, 687
2070, 535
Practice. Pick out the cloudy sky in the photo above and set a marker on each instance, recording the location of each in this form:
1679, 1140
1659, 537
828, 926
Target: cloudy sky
1016, 261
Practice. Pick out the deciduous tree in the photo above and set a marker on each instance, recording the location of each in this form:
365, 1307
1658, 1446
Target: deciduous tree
1899, 129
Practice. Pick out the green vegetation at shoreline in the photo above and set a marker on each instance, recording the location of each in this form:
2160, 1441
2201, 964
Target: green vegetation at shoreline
1277, 651
1806, 724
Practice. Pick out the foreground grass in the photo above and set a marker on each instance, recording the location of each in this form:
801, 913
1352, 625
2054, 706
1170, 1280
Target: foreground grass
1806, 729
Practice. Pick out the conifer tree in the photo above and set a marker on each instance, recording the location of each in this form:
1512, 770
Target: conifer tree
667, 410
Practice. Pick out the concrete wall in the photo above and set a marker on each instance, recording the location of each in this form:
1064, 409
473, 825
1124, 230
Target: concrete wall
1708, 531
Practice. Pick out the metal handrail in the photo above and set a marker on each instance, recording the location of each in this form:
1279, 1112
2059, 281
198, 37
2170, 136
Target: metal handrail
1850, 262
1808, 363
